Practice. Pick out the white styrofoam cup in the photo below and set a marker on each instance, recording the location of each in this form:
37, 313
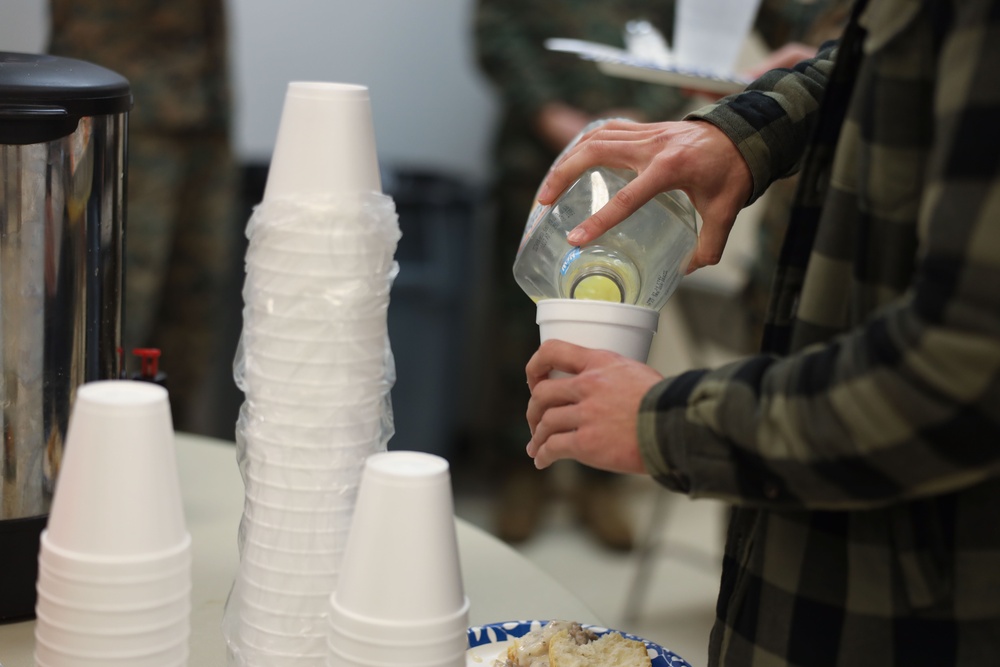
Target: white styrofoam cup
118, 493
400, 577
601, 325
325, 143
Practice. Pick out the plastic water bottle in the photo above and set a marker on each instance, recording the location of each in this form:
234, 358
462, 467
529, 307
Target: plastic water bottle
640, 261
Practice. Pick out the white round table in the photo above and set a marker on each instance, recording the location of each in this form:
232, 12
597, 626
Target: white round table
501, 584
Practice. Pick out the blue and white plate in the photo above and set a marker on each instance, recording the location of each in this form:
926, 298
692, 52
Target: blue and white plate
488, 642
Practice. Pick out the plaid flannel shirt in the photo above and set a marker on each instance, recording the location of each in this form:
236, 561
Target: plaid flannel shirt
861, 451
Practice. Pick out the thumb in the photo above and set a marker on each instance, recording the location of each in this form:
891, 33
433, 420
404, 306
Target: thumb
712, 239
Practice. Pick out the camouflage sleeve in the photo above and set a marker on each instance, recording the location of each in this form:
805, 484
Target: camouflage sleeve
509, 55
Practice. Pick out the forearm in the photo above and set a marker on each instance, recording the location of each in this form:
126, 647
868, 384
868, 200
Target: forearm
901, 408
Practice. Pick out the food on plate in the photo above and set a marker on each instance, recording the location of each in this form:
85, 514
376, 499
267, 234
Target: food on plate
532, 648
568, 644
608, 650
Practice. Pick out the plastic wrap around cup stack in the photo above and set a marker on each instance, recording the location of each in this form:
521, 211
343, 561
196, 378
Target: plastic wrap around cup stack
316, 368
114, 569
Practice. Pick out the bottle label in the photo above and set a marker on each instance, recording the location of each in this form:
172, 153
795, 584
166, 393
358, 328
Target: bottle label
661, 282
535, 217
571, 257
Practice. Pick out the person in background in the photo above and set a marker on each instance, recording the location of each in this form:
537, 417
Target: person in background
182, 177
859, 448
781, 23
546, 98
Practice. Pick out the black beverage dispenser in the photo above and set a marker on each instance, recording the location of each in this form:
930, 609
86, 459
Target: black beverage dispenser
63, 125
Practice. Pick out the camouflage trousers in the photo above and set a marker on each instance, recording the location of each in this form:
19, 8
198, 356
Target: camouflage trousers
180, 241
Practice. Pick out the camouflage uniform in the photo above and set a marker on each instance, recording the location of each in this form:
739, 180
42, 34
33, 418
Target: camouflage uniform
510, 37
808, 21
182, 179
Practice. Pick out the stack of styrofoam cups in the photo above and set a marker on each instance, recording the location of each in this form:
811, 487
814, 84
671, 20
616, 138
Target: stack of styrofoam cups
400, 600
114, 569
600, 325
316, 368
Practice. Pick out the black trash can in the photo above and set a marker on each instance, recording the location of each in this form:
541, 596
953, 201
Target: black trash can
429, 309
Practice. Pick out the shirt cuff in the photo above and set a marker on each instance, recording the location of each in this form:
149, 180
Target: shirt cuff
734, 126
660, 428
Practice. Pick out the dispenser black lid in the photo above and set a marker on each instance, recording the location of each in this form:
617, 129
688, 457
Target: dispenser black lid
43, 97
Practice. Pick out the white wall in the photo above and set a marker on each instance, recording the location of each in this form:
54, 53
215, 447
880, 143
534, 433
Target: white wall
430, 106
23, 25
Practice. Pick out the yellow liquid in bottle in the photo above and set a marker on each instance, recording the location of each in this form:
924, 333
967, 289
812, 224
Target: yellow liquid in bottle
600, 274
598, 287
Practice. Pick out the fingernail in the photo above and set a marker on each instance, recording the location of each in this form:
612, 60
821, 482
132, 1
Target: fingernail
575, 236
543, 193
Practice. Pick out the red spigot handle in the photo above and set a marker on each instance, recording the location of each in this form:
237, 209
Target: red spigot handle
149, 358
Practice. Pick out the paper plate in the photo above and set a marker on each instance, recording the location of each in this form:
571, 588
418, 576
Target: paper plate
619, 62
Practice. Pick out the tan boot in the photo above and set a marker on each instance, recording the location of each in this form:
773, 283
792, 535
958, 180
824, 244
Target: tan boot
600, 506
519, 506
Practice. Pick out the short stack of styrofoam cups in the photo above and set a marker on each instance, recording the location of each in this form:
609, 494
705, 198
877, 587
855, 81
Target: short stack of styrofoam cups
114, 569
315, 366
400, 600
